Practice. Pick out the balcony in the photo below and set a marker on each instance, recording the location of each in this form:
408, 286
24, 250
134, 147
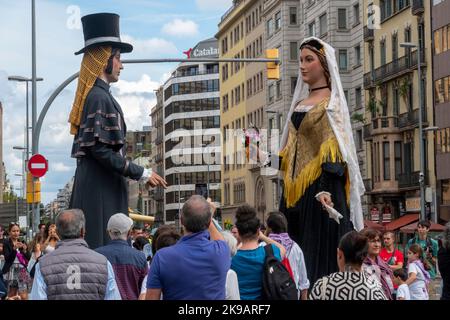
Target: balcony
368, 185
417, 7
158, 158
410, 180
393, 69
368, 34
381, 125
411, 119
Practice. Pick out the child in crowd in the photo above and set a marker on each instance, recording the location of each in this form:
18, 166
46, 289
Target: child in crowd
418, 277
400, 277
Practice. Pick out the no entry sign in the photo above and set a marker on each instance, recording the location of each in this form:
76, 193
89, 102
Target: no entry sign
37, 165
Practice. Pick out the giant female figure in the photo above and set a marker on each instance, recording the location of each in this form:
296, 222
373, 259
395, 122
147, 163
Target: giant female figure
318, 161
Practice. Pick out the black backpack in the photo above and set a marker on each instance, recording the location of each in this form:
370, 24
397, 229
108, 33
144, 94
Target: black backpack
277, 283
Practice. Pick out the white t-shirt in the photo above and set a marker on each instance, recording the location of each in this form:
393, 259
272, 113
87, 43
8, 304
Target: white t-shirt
232, 286
418, 288
403, 292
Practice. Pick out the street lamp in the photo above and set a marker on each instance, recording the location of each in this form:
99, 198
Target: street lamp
278, 116
409, 45
33, 81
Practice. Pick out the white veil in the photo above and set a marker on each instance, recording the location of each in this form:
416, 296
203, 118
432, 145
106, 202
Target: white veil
339, 118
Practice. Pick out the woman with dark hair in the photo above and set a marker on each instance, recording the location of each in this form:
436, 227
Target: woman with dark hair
249, 260
374, 265
15, 271
322, 180
277, 230
444, 262
351, 282
51, 238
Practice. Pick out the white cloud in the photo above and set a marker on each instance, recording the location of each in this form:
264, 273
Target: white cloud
181, 28
143, 85
216, 5
60, 167
136, 110
150, 48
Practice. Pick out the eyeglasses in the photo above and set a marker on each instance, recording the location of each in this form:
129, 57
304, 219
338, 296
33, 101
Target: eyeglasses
375, 241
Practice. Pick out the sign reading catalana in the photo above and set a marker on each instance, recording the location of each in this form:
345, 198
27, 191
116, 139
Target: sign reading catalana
197, 53
205, 49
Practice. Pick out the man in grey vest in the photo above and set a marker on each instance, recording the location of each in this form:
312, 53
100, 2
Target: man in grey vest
73, 271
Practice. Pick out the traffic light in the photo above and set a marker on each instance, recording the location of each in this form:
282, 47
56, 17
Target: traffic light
33, 189
273, 68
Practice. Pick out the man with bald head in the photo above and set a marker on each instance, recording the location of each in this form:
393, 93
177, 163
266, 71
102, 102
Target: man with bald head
73, 271
203, 259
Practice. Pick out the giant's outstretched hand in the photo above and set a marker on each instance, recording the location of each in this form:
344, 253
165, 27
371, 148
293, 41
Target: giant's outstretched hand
156, 180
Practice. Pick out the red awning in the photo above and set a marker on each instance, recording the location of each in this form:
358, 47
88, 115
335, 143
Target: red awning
372, 225
411, 228
402, 221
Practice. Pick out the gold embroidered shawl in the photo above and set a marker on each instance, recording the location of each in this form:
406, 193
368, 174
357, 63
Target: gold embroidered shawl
313, 144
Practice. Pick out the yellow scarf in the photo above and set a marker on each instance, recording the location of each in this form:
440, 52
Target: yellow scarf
92, 66
311, 145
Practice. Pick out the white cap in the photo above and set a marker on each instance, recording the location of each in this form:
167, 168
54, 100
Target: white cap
119, 223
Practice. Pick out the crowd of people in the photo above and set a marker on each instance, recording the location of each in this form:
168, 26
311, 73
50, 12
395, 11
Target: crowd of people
205, 263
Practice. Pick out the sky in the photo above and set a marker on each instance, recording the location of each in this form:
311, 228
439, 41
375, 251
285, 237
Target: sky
156, 29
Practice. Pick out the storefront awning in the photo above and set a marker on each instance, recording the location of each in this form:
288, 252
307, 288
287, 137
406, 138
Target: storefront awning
411, 228
368, 224
402, 221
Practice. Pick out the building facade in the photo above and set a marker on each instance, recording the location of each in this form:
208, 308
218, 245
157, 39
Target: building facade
441, 80
139, 143
392, 102
243, 104
156, 159
191, 120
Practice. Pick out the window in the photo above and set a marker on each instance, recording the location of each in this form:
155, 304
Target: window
395, 102
293, 50
346, 95
293, 84
356, 14
398, 158
342, 18
323, 24
279, 89
312, 29
278, 20
386, 162
358, 98
271, 93
383, 52
357, 55
269, 28
292, 15
359, 139
343, 59
394, 47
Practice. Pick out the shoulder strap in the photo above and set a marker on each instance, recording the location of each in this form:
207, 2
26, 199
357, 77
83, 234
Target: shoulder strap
268, 249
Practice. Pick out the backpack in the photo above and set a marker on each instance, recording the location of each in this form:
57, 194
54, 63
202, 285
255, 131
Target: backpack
277, 283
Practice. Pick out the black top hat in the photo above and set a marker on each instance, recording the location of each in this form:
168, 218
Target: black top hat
102, 29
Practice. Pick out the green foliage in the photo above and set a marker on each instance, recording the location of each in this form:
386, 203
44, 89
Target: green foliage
357, 117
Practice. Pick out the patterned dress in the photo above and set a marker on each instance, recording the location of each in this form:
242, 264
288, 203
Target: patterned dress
347, 286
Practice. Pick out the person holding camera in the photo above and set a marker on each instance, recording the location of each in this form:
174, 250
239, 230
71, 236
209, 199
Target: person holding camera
429, 246
14, 270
